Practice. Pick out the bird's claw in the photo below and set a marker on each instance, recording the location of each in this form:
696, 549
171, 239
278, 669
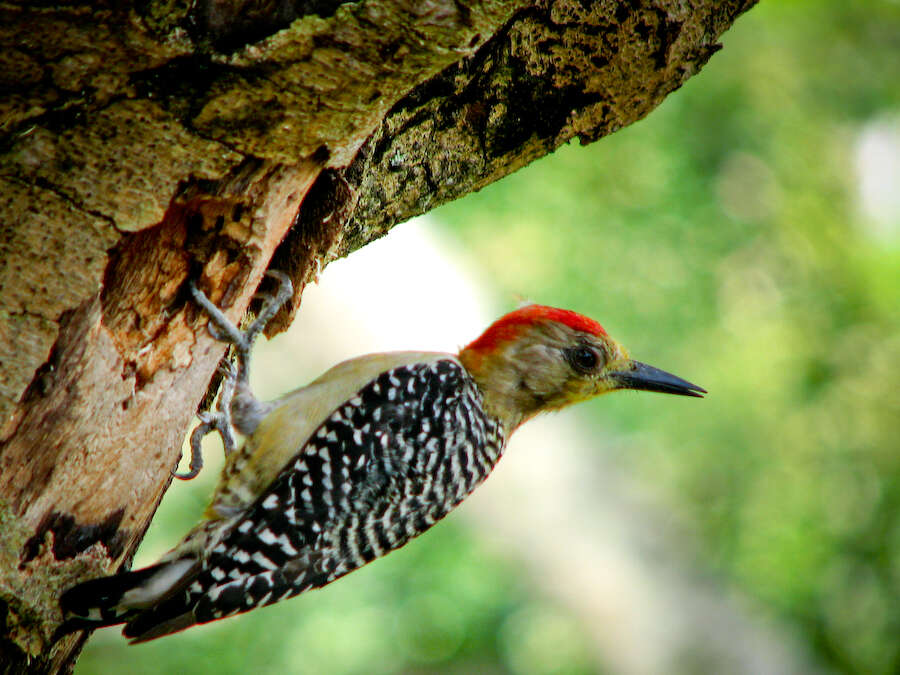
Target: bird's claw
223, 330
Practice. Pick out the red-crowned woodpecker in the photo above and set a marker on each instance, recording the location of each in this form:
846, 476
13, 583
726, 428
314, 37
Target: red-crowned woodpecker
357, 463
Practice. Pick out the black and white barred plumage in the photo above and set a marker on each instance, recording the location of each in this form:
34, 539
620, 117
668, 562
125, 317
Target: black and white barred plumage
381, 469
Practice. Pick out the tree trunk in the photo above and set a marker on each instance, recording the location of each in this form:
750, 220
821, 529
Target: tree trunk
142, 146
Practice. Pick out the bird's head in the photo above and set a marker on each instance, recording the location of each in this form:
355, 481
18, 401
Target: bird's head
540, 358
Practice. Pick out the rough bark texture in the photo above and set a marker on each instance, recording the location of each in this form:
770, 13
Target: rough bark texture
144, 145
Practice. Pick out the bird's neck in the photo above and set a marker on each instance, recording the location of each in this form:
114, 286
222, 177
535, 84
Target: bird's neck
506, 394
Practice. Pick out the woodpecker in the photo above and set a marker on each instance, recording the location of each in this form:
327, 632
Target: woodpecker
354, 465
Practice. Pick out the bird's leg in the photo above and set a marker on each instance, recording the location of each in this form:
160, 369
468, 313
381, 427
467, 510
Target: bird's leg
238, 409
221, 420
218, 421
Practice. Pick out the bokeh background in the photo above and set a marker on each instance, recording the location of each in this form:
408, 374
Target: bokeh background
746, 236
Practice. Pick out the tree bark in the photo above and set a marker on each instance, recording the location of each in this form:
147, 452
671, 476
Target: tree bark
142, 146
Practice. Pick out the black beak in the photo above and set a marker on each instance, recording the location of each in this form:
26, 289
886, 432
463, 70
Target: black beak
647, 378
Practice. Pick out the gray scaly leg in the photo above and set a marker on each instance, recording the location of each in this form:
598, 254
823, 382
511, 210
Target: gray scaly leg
238, 409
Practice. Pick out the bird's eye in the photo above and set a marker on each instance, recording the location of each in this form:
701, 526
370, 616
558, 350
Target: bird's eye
583, 359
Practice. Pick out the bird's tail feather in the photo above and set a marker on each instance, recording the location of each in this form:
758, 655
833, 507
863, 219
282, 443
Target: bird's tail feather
97, 601
118, 598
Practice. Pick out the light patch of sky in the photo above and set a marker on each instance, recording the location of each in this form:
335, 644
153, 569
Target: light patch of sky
878, 178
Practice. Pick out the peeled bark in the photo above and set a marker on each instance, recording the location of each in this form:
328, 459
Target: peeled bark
142, 146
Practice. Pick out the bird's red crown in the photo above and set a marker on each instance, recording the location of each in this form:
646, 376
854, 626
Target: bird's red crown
509, 326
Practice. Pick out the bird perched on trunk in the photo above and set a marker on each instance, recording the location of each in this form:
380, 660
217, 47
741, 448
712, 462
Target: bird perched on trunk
354, 465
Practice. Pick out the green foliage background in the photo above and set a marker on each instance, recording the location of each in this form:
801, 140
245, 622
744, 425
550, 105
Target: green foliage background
723, 236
